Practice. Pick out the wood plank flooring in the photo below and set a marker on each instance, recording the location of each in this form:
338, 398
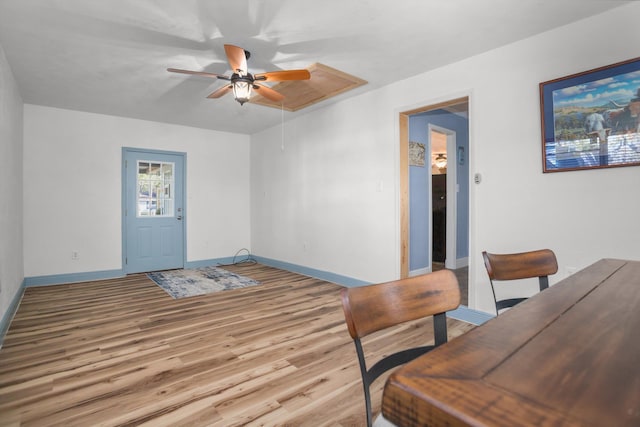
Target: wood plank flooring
123, 352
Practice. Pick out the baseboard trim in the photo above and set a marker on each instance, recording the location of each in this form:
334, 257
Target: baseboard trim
58, 279
470, 315
462, 262
419, 272
11, 311
462, 313
312, 272
459, 263
215, 262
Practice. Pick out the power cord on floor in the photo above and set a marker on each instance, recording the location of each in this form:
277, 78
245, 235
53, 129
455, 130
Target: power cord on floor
249, 260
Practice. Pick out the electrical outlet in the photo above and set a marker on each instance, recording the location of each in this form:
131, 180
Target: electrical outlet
75, 255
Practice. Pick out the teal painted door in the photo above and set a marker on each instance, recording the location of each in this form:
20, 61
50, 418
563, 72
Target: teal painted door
153, 210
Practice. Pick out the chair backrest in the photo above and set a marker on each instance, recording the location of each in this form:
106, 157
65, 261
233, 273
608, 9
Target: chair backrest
540, 263
368, 309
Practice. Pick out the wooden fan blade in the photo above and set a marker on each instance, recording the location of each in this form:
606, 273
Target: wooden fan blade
278, 76
268, 93
198, 73
219, 92
237, 58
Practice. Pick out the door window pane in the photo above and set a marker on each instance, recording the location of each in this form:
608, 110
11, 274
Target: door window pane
155, 183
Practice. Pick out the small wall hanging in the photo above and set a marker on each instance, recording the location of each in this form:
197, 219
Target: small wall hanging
416, 154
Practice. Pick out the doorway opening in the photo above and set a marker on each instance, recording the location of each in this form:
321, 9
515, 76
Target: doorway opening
434, 205
443, 189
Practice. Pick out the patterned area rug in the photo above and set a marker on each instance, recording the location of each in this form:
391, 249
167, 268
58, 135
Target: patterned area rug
199, 281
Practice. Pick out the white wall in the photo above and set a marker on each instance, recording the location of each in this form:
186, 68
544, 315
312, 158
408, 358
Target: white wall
322, 189
73, 179
11, 116
327, 200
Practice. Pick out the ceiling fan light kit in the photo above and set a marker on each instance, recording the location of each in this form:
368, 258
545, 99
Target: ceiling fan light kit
242, 82
242, 89
440, 161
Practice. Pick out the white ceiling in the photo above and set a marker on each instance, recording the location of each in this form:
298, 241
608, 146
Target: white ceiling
110, 56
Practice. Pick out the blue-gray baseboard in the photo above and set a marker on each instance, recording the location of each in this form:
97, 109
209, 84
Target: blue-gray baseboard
462, 313
57, 279
11, 311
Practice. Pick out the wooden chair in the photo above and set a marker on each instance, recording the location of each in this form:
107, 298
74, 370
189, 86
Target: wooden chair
540, 264
368, 309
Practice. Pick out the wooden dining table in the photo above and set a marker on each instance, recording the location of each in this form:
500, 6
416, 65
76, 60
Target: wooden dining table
568, 356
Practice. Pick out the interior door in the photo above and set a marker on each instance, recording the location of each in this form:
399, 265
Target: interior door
153, 214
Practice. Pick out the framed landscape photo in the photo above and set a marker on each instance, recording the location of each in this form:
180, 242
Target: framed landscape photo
592, 119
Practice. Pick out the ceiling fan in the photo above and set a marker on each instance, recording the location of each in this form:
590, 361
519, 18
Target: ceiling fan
242, 82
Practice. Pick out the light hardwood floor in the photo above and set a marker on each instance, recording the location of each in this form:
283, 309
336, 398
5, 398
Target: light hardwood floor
122, 352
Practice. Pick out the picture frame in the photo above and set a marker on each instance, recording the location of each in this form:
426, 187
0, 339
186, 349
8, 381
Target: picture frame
591, 120
416, 154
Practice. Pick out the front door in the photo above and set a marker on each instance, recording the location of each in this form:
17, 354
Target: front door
153, 198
